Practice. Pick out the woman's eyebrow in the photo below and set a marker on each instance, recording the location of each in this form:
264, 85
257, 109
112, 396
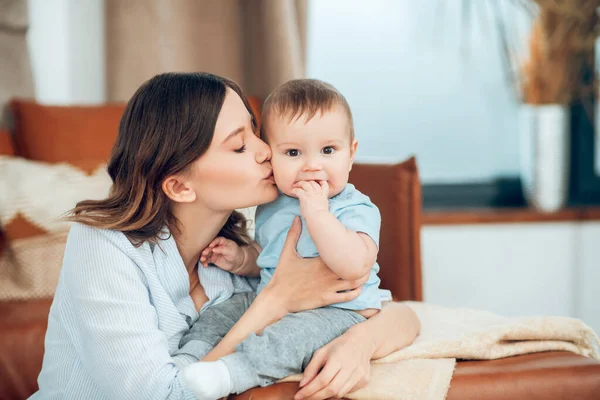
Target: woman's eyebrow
232, 134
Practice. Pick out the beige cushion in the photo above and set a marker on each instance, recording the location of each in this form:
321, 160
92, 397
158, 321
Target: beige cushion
33, 196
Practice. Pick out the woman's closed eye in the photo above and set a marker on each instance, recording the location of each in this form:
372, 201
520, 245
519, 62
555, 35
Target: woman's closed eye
241, 149
328, 150
292, 152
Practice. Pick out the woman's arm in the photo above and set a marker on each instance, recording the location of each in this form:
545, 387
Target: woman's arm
298, 284
343, 365
105, 309
390, 330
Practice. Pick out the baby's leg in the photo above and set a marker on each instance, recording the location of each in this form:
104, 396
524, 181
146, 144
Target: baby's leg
212, 325
286, 347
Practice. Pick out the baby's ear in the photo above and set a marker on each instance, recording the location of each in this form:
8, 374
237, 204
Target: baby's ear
353, 148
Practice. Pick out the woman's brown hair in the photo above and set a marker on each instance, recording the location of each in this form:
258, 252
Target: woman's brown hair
167, 125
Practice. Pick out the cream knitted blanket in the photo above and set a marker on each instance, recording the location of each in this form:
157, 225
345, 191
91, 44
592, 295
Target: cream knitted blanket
423, 370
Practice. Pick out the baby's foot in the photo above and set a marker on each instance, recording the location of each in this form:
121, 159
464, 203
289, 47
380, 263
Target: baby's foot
208, 380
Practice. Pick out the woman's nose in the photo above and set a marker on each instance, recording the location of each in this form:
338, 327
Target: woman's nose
263, 152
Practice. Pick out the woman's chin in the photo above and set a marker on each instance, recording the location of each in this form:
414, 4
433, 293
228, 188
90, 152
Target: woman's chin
270, 195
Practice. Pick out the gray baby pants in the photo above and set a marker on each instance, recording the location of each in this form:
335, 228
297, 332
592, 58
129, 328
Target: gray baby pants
282, 349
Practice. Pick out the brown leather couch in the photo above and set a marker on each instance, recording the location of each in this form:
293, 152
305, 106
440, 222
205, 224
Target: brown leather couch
396, 190
543, 376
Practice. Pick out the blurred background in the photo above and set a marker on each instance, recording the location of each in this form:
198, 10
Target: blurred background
495, 98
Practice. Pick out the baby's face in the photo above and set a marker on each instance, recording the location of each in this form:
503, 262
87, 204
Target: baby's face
317, 150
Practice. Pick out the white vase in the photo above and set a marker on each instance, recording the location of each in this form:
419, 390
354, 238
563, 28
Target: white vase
545, 146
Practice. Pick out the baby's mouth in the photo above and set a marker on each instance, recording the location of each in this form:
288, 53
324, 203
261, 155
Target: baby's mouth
313, 179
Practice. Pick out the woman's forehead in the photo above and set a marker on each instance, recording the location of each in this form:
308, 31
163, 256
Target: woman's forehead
233, 115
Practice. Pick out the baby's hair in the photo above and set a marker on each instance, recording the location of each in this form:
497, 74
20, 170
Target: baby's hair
304, 97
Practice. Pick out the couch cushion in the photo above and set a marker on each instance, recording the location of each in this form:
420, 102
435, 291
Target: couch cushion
6, 145
256, 106
29, 269
541, 376
22, 332
82, 136
396, 191
33, 196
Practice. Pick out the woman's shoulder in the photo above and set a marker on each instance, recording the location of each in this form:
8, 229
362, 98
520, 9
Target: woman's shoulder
89, 245
94, 254
86, 234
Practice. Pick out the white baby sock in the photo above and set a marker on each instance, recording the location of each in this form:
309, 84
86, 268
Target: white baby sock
209, 380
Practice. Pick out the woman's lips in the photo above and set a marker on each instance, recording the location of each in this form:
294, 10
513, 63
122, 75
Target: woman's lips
269, 177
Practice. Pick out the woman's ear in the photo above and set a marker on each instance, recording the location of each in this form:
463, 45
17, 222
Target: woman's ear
178, 189
353, 148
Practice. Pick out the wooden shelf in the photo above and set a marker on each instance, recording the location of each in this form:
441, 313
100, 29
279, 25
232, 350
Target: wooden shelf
509, 215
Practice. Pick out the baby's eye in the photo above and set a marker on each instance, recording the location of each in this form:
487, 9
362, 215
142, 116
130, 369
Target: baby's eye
328, 150
292, 153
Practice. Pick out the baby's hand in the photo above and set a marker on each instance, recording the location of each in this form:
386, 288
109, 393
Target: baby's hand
313, 196
224, 253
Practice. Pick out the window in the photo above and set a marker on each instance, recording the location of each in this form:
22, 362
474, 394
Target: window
424, 84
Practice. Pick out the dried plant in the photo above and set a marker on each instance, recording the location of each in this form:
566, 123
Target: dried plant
559, 66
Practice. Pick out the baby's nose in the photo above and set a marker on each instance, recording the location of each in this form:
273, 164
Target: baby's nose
312, 166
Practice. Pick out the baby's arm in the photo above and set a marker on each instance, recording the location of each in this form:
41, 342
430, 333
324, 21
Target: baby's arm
348, 253
228, 255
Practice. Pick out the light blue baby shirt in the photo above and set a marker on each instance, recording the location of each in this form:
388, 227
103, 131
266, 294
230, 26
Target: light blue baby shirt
351, 207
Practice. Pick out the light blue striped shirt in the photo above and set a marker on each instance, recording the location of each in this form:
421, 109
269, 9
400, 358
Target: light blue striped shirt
118, 315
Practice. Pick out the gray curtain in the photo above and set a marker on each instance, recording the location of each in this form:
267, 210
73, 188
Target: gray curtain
259, 44
15, 69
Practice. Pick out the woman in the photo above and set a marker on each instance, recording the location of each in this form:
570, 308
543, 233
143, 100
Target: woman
186, 156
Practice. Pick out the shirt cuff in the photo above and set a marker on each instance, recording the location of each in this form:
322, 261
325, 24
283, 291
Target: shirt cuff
182, 360
191, 352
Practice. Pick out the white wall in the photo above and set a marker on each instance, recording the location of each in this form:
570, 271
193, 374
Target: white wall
515, 269
414, 88
421, 84
66, 44
587, 287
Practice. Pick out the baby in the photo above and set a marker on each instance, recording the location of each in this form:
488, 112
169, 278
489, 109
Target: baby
308, 125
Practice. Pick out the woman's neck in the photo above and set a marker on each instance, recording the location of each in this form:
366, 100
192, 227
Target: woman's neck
198, 227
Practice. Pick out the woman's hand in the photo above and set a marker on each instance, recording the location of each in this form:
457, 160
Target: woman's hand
340, 367
300, 284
